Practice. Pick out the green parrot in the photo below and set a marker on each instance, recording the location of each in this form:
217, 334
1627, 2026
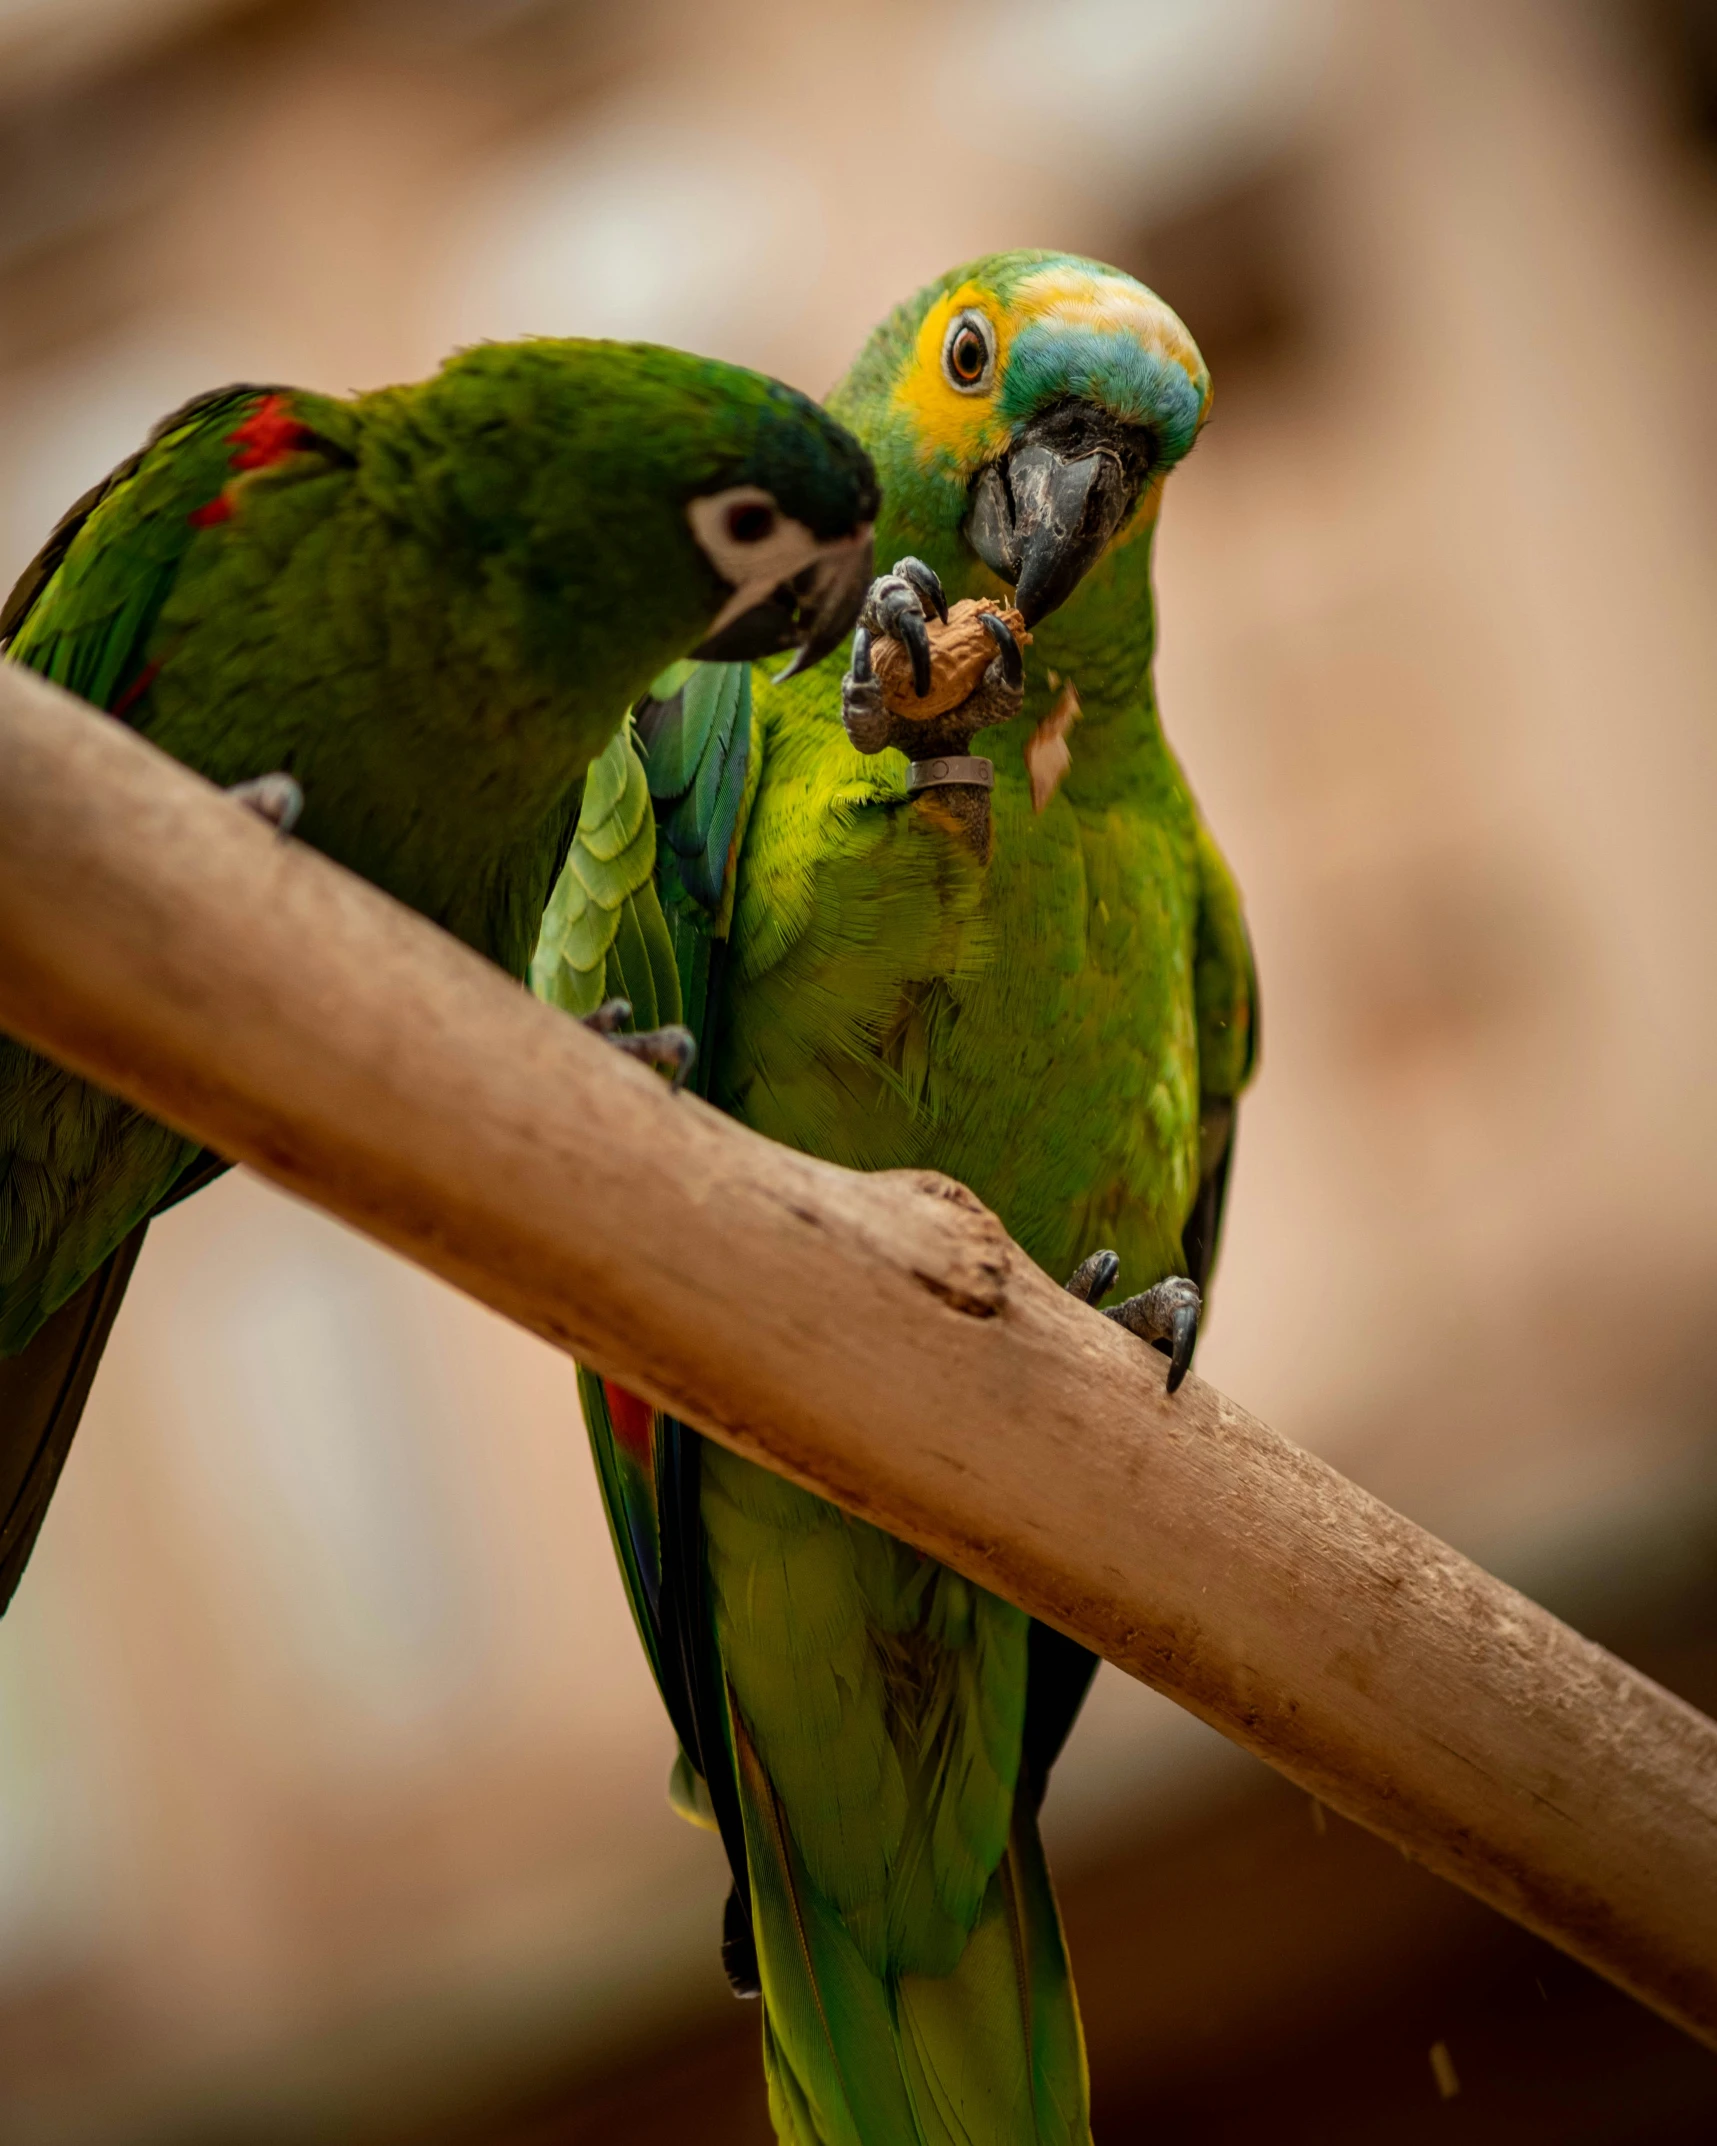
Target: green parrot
1031, 972
407, 622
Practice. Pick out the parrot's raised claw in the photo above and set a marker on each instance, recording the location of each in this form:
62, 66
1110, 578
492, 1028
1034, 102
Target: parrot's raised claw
895, 608
673, 1048
276, 798
1012, 662
943, 779
926, 581
908, 626
1093, 1278
1166, 1315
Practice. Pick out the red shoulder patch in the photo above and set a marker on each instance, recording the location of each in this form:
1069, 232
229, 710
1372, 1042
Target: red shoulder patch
269, 434
633, 1421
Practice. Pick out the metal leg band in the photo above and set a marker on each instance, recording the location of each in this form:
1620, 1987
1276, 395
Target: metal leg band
977, 774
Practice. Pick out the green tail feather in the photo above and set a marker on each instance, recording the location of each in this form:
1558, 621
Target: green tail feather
914, 1980
627, 1483
989, 2055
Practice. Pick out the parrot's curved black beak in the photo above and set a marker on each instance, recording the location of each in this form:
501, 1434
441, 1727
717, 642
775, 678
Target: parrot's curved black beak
1044, 514
813, 613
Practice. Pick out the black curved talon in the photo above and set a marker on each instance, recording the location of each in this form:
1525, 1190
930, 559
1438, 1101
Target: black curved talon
1183, 1339
917, 639
925, 580
895, 606
903, 619
1167, 1317
860, 670
276, 798
1013, 663
1093, 1278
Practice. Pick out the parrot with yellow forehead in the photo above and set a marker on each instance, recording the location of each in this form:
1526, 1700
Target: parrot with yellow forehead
1058, 1009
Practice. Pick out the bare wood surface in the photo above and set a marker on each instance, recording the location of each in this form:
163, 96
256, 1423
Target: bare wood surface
876, 1337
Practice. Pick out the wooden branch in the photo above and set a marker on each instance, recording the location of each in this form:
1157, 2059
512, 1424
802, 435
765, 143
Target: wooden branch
875, 1337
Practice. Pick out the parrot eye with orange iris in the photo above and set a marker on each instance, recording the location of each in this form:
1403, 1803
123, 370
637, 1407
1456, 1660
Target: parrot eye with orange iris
969, 353
750, 522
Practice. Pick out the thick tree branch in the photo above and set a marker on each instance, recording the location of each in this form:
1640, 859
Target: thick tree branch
876, 1337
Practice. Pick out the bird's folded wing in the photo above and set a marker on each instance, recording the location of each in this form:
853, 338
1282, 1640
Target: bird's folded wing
1225, 989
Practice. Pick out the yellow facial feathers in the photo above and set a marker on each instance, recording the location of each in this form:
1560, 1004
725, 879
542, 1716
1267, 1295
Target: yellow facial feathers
970, 429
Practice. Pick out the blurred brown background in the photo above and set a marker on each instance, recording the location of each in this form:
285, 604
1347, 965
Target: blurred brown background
331, 1780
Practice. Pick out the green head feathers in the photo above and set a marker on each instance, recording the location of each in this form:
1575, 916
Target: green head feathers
1024, 385
700, 497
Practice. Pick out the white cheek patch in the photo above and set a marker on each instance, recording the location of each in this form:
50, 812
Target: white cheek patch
756, 568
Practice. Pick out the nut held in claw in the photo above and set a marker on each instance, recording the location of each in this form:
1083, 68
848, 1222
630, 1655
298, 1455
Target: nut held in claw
960, 653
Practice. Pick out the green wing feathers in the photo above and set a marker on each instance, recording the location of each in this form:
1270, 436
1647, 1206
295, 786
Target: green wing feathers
646, 888
696, 728
622, 1442
603, 934
83, 611
1225, 980
1225, 994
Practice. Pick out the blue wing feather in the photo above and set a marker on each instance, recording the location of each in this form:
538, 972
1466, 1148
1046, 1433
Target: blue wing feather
696, 733
675, 721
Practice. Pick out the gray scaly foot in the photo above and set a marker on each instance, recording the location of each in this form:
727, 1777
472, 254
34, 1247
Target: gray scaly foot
1166, 1315
672, 1048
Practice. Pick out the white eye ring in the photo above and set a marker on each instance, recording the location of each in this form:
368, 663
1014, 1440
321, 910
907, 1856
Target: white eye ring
752, 545
962, 326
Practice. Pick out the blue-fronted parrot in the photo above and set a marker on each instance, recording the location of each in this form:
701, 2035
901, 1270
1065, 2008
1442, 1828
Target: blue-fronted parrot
417, 615
1045, 990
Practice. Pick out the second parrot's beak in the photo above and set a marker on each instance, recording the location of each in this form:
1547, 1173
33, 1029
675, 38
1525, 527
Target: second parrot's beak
1045, 513
812, 613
